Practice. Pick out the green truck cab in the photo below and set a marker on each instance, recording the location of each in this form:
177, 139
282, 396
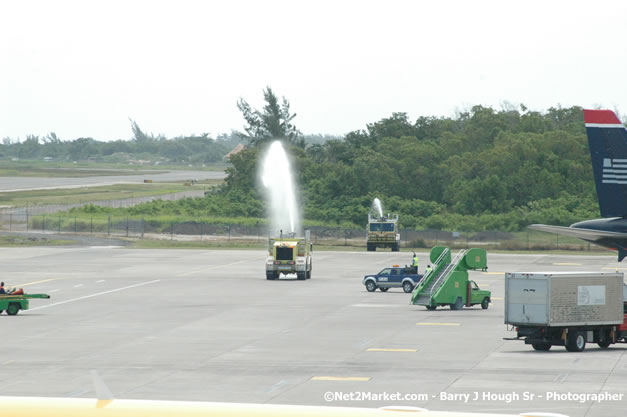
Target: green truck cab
447, 284
383, 232
289, 254
13, 303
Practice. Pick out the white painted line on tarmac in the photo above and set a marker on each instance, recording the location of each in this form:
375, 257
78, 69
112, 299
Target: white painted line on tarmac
95, 295
341, 378
52, 291
99, 281
376, 305
391, 350
78, 285
219, 266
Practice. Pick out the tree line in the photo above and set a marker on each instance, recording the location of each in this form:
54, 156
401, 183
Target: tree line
483, 169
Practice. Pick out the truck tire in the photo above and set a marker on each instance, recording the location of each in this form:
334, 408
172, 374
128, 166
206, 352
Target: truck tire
371, 248
604, 339
459, 304
396, 247
431, 308
271, 275
309, 274
575, 341
371, 286
12, 309
408, 287
382, 289
0, 311
485, 304
301, 275
543, 346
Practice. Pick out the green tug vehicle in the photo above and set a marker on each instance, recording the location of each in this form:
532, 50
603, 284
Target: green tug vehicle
447, 284
13, 303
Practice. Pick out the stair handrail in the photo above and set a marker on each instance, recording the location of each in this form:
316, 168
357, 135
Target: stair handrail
427, 277
449, 268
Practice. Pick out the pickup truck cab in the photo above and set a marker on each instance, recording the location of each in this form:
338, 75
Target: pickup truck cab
394, 277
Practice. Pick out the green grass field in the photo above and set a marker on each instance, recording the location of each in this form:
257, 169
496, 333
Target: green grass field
87, 194
24, 241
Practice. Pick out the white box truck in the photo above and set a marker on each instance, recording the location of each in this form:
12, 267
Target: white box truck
566, 308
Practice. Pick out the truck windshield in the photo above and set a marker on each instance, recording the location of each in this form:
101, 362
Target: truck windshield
381, 227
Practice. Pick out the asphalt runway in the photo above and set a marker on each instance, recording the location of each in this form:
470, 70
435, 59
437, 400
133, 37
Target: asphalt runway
43, 183
207, 325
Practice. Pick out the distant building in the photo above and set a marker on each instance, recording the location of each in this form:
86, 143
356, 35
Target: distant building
235, 150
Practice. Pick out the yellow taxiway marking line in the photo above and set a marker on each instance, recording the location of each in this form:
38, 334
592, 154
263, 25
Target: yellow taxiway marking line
614, 269
8, 362
496, 298
483, 284
391, 350
341, 378
567, 264
218, 266
494, 273
37, 282
438, 324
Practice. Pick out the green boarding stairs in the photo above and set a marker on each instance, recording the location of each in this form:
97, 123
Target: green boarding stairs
448, 279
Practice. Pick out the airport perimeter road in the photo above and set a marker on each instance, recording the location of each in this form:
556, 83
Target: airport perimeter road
41, 183
206, 325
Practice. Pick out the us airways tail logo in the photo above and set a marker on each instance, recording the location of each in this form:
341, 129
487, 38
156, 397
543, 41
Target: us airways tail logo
614, 171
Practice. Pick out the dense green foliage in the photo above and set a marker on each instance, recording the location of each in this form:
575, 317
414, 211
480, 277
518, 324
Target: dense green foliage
482, 170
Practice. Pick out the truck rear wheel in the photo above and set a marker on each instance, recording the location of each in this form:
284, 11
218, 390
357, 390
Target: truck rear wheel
485, 303
301, 275
12, 309
371, 286
396, 247
459, 304
604, 339
371, 248
541, 346
575, 341
431, 308
408, 287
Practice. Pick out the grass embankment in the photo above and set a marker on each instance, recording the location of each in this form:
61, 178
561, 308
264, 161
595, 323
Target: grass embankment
21, 241
95, 194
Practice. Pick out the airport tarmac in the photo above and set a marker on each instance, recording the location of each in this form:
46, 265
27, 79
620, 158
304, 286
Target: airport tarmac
207, 325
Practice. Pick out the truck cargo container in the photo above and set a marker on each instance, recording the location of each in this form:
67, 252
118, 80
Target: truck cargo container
566, 308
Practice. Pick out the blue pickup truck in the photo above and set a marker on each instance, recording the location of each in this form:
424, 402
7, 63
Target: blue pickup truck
394, 277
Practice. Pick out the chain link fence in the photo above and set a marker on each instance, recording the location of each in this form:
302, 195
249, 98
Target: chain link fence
141, 228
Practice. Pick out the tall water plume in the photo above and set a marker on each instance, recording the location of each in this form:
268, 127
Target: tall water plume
377, 208
277, 179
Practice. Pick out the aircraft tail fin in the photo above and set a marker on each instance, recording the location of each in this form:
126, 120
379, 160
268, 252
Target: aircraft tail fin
607, 139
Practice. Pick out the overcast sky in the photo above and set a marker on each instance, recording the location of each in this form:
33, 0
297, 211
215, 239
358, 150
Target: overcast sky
83, 68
